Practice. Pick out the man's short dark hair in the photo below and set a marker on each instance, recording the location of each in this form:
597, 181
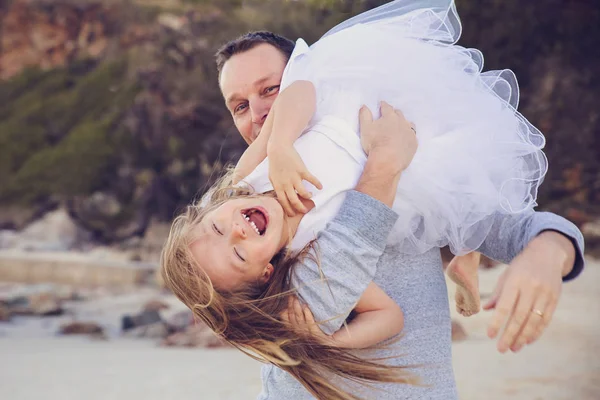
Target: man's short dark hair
251, 40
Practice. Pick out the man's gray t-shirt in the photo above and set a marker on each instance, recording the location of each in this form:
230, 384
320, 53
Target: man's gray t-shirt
353, 253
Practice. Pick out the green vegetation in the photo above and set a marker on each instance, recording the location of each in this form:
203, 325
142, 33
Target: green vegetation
146, 127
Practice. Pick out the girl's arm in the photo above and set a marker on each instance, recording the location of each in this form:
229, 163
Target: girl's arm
294, 108
378, 318
288, 118
256, 152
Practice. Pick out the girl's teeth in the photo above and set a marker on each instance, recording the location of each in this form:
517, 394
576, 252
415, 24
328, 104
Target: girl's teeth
247, 218
255, 228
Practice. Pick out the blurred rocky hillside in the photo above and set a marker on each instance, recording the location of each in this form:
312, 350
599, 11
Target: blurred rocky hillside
110, 109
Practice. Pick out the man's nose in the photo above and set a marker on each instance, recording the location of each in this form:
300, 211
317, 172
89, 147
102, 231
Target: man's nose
260, 110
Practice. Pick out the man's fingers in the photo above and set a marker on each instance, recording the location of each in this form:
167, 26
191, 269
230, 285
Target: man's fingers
401, 115
307, 176
534, 323
548, 313
504, 308
491, 303
386, 109
518, 320
365, 116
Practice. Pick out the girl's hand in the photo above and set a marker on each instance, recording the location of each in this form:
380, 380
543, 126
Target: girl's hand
286, 173
302, 321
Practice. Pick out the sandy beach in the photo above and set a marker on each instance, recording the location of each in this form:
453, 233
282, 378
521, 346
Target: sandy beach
35, 364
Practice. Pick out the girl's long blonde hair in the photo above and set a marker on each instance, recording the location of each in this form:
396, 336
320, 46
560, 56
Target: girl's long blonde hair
248, 318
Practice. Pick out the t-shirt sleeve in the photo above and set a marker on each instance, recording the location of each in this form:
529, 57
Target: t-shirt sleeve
510, 234
348, 250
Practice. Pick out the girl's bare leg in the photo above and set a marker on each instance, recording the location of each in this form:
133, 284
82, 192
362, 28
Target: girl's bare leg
463, 270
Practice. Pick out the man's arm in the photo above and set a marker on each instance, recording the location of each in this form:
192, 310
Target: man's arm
543, 249
349, 248
510, 234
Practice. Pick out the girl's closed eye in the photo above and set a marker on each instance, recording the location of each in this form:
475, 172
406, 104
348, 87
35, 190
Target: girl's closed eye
217, 231
238, 254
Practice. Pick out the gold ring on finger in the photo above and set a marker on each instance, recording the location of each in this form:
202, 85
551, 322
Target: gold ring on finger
538, 312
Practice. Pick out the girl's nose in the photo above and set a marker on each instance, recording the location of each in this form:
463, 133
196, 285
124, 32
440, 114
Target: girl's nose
238, 231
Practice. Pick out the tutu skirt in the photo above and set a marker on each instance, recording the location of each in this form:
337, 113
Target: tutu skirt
477, 155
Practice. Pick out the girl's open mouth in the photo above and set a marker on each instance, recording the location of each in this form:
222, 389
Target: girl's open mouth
257, 218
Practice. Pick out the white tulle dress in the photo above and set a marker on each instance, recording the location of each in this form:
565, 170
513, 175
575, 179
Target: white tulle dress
477, 156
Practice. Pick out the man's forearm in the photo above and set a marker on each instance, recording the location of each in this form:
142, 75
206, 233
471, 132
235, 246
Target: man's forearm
546, 232
379, 179
561, 247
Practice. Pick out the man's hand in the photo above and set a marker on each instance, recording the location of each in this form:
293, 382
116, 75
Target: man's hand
392, 136
390, 144
286, 173
527, 293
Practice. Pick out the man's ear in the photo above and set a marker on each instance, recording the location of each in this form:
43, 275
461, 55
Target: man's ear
267, 273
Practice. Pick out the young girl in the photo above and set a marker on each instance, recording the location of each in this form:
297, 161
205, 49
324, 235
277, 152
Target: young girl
477, 157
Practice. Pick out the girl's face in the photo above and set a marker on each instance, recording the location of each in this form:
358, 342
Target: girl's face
235, 243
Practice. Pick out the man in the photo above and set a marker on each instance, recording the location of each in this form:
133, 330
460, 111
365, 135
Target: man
543, 250
250, 70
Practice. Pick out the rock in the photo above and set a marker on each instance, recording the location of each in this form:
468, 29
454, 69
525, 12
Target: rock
40, 304
197, 335
157, 330
171, 21
45, 304
578, 216
144, 318
180, 321
8, 239
591, 233
591, 230
52, 34
155, 305
458, 332
5, 313
66, 293
55, 231
81, 328
15, 218
19, 305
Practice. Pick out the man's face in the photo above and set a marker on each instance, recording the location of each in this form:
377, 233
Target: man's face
250, 83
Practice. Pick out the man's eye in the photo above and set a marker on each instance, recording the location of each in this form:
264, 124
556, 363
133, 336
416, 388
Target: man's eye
238, 254
217, 230
239, 108
271, 89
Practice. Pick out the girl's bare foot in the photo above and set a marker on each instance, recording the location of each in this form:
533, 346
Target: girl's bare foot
463, 270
